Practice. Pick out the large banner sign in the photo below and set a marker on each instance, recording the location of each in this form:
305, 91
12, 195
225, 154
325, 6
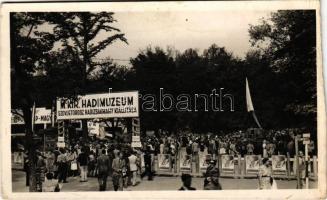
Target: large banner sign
164, 162
252, 163
227, 163
203, 161
185, 162
279, 164
42, 116
106, 105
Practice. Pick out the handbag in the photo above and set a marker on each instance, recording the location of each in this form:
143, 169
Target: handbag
73, 166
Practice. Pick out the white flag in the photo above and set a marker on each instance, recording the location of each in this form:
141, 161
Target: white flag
249, 104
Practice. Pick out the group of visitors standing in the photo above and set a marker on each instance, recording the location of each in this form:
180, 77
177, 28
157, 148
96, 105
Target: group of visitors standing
121, 162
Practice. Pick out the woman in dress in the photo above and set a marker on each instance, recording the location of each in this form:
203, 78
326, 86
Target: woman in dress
265, 174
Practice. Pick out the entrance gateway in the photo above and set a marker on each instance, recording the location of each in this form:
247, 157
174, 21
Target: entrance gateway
100, 106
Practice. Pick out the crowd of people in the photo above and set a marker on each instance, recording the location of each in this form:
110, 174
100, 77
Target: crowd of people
125, 164
121, 162
235, 143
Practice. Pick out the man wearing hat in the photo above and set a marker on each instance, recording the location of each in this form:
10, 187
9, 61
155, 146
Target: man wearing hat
187, 181
211, 177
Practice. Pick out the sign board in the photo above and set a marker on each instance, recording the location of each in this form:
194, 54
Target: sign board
279, 164
136, 138
164, 162
227, 163
61, 139
136, 144
61, 144
203, 160
185, 162
42, 116
106, 105
252, 163
93, 128
17, 160
136, 126
16, 116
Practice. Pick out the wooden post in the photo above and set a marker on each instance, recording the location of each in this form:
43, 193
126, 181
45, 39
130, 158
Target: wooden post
235, 170
178, 162
220, 164
288, 166
298, 185
53, 113
239, 168
243, 167
197, 160
315, 167
306, 167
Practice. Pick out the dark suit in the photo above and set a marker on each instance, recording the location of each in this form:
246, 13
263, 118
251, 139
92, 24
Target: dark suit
103, 169
148, 166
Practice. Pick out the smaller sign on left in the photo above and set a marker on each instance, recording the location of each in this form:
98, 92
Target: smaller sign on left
42, 116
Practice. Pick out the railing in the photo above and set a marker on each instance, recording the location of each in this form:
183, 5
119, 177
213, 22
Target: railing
230, 166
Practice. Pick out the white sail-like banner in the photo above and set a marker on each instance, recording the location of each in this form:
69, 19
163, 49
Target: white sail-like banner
249, 104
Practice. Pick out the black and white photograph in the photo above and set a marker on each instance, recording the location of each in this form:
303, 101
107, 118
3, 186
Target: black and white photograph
121, 100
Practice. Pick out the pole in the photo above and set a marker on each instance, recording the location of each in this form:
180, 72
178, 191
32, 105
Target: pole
33, 117
298, 181
53, 114
45, 127
288, 166
306, 167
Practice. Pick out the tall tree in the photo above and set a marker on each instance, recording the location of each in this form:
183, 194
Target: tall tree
85, 35
288, 39
154, 69
29, 49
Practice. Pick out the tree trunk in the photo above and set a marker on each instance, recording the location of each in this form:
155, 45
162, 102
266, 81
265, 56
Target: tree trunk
84, 73
30, 147
85, 130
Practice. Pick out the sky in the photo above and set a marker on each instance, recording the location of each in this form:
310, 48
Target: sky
182, 30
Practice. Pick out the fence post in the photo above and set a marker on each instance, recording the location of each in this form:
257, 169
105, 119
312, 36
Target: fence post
244, 167
239, 166
177, 163
197, 160
193, 166
315, 167
288, 166
220, 164
298, 185
156, 164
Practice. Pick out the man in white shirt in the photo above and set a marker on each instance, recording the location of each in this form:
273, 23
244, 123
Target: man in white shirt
133, 162
162, 146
